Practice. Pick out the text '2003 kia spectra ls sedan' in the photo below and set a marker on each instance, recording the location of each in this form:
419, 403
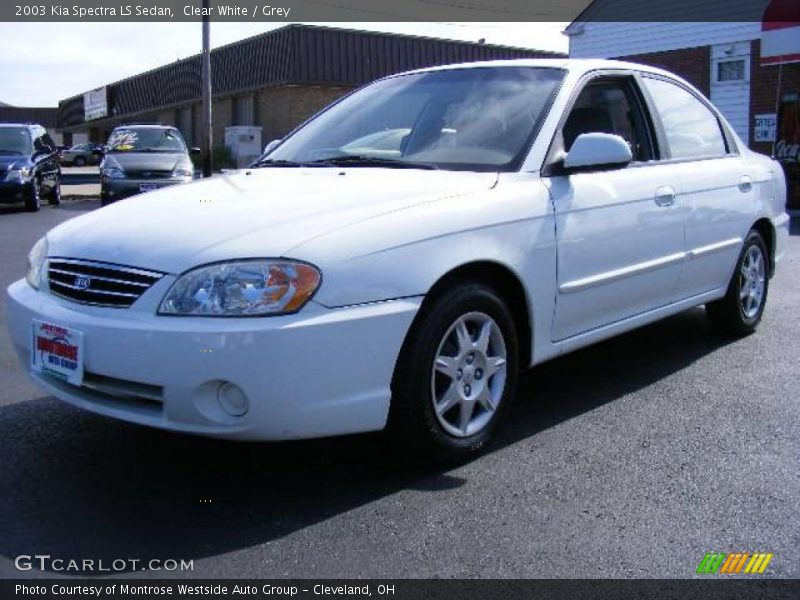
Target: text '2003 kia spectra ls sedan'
396, 261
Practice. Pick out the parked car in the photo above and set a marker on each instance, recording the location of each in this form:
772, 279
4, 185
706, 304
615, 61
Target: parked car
83, 154
532, 208
143, 158
29, 167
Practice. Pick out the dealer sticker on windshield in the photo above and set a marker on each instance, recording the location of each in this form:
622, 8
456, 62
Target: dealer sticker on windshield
57, 351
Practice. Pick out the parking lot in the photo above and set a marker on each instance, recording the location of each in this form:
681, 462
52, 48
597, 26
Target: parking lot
632, 458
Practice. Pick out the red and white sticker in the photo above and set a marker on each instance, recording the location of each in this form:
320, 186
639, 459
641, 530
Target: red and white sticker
57, 351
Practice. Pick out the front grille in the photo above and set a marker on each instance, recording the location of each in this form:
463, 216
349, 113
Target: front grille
98, 283
145, 174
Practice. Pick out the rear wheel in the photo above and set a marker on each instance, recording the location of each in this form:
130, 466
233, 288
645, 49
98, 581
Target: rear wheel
456, 377
740, 311
33, 200
80, 161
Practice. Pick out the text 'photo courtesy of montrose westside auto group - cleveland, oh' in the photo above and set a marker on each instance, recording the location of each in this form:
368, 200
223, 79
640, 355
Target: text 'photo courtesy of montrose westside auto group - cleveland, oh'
378, 299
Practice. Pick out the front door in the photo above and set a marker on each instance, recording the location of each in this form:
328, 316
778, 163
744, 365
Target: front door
619, 232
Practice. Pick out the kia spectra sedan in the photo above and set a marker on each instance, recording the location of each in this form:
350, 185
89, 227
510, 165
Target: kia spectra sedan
509, 212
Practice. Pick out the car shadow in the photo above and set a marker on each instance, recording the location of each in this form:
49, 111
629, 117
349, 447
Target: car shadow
78, 205
8, 209
77, 485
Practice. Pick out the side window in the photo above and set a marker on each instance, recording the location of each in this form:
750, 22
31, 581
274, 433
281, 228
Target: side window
609, 106
692, 130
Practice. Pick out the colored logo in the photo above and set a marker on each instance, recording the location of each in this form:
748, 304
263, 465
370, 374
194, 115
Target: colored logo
82, 282
735, 562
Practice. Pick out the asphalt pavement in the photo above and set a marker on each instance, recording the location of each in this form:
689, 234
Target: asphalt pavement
632, 458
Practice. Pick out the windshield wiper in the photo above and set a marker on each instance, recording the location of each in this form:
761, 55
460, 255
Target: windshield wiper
9, 151
274, 162
358, 160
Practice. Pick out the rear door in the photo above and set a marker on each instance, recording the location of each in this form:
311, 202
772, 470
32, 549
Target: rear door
717, 196
619, 231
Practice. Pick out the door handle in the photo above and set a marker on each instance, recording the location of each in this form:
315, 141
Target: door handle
745, 184
665, 195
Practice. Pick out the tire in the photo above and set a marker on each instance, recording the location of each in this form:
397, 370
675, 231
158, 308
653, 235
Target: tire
439, 367
55, 195
79, 161
33, 201
740, 311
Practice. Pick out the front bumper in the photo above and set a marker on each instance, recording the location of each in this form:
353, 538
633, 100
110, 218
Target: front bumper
117, 189
317, 373
14, 191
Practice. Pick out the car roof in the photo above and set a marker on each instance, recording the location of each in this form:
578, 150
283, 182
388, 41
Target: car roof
145, 126
26, 125
578, 65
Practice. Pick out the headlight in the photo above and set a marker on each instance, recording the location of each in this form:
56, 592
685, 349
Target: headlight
112, 173
18, 173
183, 172
242, 289
36, 259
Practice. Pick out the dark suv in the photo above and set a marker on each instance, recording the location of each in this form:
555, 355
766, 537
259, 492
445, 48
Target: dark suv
141, 158
29, 166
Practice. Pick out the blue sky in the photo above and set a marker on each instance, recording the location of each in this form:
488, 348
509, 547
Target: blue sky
70, 58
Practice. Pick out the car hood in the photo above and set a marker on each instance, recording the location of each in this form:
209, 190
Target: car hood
248, 214
148, 161
6, 160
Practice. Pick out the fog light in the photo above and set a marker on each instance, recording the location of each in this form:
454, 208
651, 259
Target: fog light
232, 399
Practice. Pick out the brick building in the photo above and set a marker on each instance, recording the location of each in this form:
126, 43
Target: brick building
737, 64
273, 81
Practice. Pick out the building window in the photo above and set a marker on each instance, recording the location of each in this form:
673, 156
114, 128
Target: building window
731, 70
244, 112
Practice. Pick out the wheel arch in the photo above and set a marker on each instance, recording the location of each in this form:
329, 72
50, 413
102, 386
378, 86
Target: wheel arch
502, 280
767, 230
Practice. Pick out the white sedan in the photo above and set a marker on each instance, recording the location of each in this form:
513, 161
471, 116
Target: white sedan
512, 212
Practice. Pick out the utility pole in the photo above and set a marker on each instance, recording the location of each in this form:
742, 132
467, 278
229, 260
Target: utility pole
208, 133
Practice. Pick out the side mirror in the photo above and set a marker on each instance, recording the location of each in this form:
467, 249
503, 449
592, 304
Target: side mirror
270, 147
597, 150
194, 150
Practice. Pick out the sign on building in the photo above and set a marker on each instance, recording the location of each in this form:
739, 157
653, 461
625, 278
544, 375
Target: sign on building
765, 127
780, 33
95, 104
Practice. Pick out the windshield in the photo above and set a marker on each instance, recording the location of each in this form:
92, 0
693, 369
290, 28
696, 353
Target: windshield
460, 119
15, 140
145, 140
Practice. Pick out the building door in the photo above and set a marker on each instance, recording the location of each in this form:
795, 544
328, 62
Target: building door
730, 85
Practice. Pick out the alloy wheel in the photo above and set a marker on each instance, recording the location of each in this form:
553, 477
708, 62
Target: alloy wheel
752, 281
469, 374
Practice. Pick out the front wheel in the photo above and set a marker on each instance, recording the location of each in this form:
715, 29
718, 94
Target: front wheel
34, 198
456, 376
740, 311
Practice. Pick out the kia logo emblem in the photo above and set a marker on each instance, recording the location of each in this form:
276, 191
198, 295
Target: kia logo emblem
82, 282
